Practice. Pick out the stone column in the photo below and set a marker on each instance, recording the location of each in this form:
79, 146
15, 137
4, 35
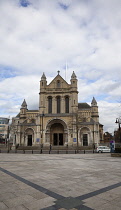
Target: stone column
62, 104
54, 105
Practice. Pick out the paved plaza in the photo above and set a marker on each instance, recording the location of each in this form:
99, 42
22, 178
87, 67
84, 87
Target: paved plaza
60, 181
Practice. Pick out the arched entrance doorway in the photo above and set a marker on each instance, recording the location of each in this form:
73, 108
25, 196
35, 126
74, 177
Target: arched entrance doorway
29, 134
56, 133
85, 136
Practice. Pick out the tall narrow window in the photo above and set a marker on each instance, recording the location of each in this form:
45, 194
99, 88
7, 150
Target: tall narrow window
58, 83
66, 104
58, 104
49, 104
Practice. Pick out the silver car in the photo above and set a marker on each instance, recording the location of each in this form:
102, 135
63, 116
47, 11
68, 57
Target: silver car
103, 149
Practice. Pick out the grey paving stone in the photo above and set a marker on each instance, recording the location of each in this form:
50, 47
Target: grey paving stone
42, 180
19, 200
108, 206
6, 196
3, 206
40, 204
21, 207
107, 196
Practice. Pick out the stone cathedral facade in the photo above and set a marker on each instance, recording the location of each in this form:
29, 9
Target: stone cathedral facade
60, 119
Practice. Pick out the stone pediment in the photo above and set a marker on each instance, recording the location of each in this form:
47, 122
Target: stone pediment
58, 82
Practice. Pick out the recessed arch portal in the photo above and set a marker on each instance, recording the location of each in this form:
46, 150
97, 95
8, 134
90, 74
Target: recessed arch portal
29, 136
56, 132
85, 136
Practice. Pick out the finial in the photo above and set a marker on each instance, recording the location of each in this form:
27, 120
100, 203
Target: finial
24, 104
73, 75
58, 72
43, 76
94, 102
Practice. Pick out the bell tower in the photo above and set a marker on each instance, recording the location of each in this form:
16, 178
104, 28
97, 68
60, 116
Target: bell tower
43, 85
23, 109
74, 93
94, 109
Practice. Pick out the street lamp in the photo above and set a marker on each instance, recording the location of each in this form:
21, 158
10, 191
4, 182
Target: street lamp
118, 120
42, 129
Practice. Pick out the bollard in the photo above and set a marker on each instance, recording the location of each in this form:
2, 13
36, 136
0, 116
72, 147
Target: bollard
32, 151
58, 151
8, 151
0, 150
15, 150
84, 151
23, 151
93, 150
41, 151
49, 151
66, 151
75, 151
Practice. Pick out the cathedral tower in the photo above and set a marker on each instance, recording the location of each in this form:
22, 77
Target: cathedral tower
74, 92
23, 109
94, 110
43, 84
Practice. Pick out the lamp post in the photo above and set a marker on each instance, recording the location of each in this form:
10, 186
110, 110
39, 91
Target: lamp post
118, 120
42, 129
8, 132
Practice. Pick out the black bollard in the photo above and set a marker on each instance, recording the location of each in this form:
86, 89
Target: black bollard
23, 151
75, 151
8, 151
32, 151
49, 151
58, 151
93, 150
84, 151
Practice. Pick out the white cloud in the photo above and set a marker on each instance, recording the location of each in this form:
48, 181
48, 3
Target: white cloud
45, 35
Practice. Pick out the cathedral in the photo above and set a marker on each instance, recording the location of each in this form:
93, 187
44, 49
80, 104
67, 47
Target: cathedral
60, 119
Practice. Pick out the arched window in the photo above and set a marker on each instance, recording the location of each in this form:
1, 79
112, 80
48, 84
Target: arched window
58, 104
66, 104
50, 104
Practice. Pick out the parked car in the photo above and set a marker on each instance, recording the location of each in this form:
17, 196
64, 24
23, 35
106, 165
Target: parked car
103, 149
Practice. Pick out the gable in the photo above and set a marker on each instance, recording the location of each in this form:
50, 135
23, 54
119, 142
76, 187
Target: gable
58, 82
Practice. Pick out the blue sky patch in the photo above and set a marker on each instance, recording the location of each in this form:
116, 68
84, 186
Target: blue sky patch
24, 3
63, 6
7, 72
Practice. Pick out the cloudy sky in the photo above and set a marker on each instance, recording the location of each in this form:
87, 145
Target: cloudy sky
39, 36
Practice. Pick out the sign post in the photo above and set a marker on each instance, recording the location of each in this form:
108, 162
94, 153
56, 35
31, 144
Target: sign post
112, 146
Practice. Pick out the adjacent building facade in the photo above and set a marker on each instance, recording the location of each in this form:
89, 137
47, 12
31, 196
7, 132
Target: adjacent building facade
4, 129
60, 119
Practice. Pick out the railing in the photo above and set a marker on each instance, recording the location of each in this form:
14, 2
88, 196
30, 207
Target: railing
47, 151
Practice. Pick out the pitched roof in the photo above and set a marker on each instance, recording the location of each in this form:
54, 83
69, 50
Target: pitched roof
83, 106
58, 77
18, 115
